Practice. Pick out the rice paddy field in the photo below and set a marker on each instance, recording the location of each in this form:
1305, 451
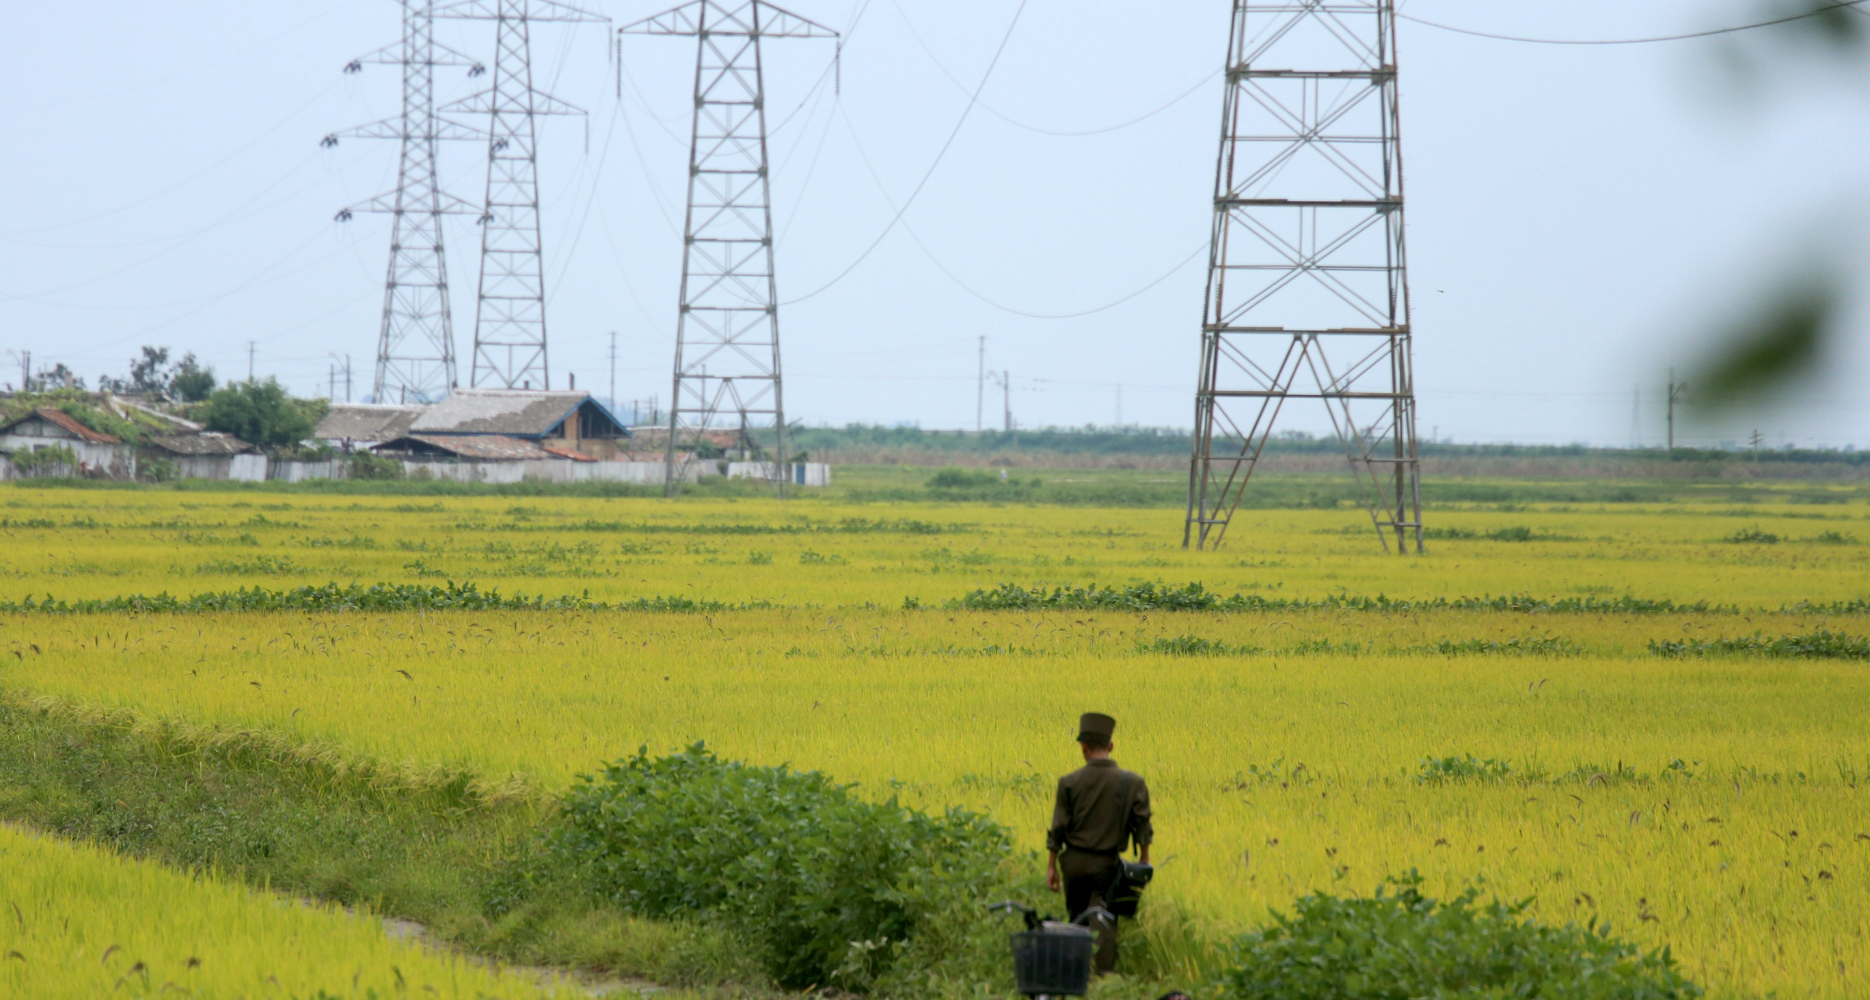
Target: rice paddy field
1611, 759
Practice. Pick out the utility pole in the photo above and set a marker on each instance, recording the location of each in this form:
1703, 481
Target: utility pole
1308, 294
1755, 440
613, 369
415, 343
250, 346
331, 390
509, 316
1120, 405
1636, 410
1678, 391
729, 308
980, 387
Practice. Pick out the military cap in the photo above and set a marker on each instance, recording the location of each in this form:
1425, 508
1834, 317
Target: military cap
1096, 724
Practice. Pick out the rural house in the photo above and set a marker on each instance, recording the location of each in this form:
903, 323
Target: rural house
95, 454
493, 425
351, 426
209, 455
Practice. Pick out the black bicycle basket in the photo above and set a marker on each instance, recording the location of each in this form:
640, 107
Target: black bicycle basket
1054, 960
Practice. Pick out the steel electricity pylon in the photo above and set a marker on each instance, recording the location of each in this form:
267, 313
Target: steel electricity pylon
727, 329
509, 316
415, 349
1307, 294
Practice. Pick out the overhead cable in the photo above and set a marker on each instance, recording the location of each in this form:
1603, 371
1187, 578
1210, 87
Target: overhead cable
1814, 12
972, 100
990, 109
863, 155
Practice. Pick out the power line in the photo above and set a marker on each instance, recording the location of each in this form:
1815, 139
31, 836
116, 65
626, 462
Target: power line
972, 100
964, 286
990, 109
1814, 12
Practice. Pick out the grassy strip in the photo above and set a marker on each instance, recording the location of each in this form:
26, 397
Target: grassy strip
1006, 597
376, 597
439, 846
311, 820
1195, 597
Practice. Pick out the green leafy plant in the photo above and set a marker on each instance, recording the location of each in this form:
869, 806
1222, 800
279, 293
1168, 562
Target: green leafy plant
1753, 536
1402, 945
1194, 645
1465, 768
1823, 644
261, 413
48, 460
1548, 645
828, 888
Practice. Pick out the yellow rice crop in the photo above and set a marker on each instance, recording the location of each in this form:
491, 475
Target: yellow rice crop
81, 924
1274, 772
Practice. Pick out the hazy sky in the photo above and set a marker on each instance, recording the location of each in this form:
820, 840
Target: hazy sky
1578, 216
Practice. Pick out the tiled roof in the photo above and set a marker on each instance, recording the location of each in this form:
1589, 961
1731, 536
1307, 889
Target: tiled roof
526, 413
366, 422
63, 420
497, 447
573, 454
208, 444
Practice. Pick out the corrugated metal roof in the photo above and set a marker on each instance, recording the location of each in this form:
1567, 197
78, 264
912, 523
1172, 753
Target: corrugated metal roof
486, 447
208, 444
66, 421
366, 422
525, 413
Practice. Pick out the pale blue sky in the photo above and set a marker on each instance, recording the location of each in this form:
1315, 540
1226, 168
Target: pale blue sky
1576, 215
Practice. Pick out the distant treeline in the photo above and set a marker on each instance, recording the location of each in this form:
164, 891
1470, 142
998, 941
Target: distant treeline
1170, 441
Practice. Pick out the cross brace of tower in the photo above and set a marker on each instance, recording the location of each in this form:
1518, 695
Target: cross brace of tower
415, 344
727, 363
1307, 295
510, 344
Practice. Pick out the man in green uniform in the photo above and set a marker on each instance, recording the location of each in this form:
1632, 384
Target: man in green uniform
1101, 810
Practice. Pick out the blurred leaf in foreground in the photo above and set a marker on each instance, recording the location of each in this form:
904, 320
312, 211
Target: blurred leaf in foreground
1775, 345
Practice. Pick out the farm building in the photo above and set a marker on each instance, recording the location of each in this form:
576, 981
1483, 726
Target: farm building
209, 455
567, 425
351, 426
93, 454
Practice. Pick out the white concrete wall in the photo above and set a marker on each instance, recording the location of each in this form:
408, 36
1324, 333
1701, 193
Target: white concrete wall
293, 472
553, 470
247, 468
798, 473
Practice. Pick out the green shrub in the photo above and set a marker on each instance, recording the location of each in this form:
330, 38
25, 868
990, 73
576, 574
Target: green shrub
47, 460
825, 887
1823, 644
1753, 536
364, 465
1194, 645
963, 479
1445, 770
1549, 645
1404, 946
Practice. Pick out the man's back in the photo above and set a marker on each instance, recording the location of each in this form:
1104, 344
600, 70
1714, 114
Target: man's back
1100, 809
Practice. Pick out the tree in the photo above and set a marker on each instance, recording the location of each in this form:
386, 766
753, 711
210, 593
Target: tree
186, 380
189, 381
56, 377
261, 413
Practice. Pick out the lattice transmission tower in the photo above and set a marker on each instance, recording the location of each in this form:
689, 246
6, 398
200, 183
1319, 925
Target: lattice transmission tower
509, 317
727, 327
415, 348
1307, 294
